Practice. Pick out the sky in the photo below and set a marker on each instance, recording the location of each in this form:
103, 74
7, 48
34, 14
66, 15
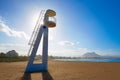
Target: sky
82, 26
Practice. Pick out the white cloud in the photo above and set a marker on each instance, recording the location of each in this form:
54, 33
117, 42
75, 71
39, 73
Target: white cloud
11, 32
80, 51
69, 52
66, 43
21, 49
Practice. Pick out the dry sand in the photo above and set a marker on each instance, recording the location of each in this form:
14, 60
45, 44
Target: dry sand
59, 70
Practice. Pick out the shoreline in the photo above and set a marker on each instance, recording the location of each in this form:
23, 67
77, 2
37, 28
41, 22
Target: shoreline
87, 60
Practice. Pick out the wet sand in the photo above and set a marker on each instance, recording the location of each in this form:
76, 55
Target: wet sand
59, 70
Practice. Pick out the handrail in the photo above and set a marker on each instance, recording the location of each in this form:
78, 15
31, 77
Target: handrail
35, 31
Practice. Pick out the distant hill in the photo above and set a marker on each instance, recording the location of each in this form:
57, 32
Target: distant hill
91, 55
11, 53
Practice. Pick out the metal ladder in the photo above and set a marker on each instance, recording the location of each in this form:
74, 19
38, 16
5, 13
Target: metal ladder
35, 31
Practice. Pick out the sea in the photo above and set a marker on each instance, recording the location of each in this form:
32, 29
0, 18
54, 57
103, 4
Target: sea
90, 60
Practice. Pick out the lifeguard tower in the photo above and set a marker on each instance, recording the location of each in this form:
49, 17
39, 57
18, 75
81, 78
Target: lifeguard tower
46, 20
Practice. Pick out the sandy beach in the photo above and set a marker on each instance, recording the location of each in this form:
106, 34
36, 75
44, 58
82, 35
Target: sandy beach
59, 70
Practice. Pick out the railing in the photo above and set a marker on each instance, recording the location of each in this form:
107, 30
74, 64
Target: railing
36, 30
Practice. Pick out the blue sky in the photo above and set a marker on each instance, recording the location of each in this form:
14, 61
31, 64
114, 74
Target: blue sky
82, 26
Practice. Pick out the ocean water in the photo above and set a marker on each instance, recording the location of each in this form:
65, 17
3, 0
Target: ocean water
90, 60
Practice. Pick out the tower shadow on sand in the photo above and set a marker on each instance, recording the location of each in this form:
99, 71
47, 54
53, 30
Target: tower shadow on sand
45, 76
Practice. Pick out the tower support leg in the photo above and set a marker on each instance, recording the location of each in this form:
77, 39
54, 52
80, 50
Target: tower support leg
31, 67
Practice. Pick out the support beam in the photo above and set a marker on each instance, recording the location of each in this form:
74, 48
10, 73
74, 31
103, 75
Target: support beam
43, 66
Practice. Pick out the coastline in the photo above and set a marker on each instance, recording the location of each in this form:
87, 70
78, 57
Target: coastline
89, 60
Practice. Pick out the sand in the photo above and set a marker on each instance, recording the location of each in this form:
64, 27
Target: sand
59, 70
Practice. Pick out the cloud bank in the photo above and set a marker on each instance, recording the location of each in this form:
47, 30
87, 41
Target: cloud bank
20, 48
66, 43
11, 32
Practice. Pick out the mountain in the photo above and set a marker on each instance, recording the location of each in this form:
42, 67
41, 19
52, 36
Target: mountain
11, 53
91, 55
